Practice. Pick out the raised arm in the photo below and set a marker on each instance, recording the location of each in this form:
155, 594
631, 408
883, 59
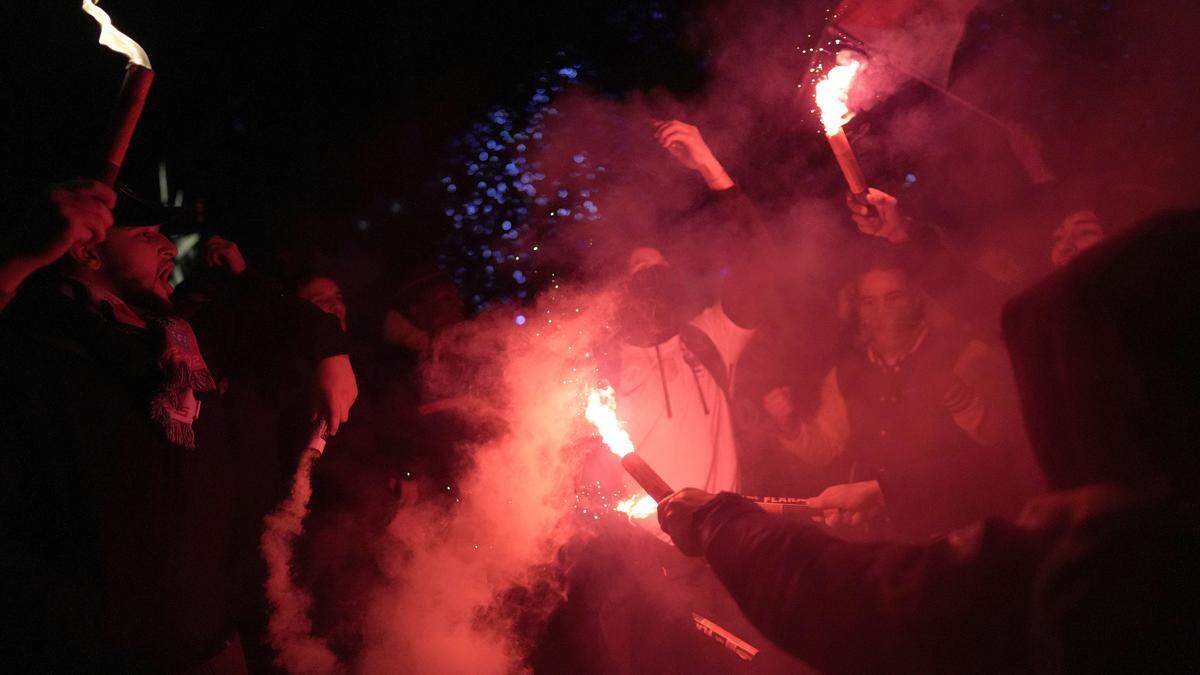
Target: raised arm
747, 295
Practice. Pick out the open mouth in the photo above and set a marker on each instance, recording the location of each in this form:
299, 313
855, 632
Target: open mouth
164, 276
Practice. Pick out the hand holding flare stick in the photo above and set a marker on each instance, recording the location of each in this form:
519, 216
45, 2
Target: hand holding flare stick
602, 412
132, 98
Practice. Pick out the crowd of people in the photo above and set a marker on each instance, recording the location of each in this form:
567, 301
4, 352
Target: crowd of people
149, 429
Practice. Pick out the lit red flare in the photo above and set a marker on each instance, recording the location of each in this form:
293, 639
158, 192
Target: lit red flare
602, 413
832, 94
132, 98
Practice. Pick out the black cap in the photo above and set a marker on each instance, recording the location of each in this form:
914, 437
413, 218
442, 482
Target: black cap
132, 210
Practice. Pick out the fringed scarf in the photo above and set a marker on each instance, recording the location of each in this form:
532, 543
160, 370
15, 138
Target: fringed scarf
174, 405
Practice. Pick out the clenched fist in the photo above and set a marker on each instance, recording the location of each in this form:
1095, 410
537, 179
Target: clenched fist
676, 517
220, 253
337, 389
778, 404
71, 214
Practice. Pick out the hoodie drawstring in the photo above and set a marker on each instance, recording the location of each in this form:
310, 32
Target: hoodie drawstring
662, 376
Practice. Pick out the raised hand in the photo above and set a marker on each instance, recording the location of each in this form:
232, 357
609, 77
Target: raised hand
686, 145
79, 212
222, 253
72, 214
887, 221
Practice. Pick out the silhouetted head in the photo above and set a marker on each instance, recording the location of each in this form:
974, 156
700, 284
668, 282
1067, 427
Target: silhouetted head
654, 303
1105, 354
325, 294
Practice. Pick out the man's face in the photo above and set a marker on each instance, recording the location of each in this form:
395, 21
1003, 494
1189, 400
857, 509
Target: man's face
1079, 231
887, 306
326, 295
137, 262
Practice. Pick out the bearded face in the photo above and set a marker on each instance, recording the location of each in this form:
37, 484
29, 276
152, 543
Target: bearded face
137, 262
654, 306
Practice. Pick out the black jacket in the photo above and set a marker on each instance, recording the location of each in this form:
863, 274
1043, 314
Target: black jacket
116, 541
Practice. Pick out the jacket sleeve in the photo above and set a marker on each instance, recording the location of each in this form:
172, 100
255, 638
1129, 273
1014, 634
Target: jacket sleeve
947, 606
319, 334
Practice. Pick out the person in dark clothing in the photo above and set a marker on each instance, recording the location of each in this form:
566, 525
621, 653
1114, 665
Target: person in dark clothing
324, 294
282, 364
356, 487
1096, 576
914, 417
425, 387
116, 515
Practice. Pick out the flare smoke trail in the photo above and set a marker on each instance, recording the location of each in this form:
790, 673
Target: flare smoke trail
290, 629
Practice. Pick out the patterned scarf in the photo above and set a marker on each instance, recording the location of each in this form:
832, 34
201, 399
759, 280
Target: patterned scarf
174, 405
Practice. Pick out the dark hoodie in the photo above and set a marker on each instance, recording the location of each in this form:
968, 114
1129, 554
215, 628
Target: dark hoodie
1097, 576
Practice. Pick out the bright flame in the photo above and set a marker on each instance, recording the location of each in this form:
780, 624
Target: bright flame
602, 412
831, 95
114, 39
642, 506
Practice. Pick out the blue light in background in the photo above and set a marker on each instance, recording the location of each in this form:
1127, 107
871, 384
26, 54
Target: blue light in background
492, 185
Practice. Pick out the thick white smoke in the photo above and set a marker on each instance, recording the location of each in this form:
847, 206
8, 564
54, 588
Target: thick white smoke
290, 629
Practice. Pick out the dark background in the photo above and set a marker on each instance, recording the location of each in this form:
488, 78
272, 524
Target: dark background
283, 113
298, 121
